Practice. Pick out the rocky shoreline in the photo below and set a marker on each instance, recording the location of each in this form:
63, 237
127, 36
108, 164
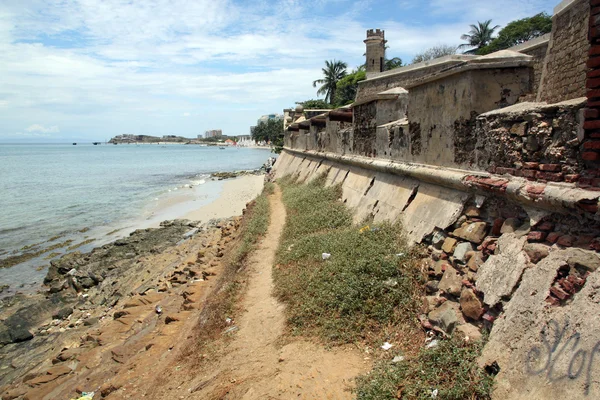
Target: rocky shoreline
132, 287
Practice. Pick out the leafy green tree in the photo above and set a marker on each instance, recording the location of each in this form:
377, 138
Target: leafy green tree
438, 51
270, 131
332, 73
347, 87
479, 36
314, 104
392, 63
519, 31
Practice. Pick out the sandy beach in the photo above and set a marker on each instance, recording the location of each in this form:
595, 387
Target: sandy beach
236, 193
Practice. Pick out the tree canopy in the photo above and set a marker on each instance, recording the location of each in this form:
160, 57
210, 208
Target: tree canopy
270, 131
393, 63
332, 73
434, 52
479, 36
519, 31
347, 86
317, 104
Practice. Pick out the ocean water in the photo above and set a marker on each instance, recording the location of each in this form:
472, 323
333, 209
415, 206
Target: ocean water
88, 195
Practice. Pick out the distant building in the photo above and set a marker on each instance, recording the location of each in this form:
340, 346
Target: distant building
216, 133
267, 117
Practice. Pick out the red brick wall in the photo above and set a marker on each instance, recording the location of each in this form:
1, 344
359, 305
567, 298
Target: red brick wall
591, 145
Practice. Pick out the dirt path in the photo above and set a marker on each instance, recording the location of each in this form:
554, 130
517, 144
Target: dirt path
256, 366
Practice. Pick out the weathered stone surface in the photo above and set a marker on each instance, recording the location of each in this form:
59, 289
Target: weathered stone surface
63, 313
460, 253
444, 317
90, 321
472, 211
449, 244
498, 276
470, 305
18, 335
520, 339
451, 282
475, 261
474, 232
536, 251
431, 286
510, 225
59, 370
584, 259
468, 332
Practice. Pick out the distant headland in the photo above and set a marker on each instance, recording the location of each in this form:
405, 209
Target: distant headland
243, 140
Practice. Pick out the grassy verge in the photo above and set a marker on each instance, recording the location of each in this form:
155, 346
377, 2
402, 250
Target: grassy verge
450, 368
221, 304
368, 291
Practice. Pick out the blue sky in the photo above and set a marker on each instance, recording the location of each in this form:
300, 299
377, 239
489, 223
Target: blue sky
88, 70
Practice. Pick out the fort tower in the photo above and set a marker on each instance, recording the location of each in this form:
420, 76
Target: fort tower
375, 50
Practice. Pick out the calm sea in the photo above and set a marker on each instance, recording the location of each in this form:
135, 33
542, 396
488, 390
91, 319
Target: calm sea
52, 194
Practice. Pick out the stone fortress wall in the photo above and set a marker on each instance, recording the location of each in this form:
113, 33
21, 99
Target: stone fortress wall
503, 193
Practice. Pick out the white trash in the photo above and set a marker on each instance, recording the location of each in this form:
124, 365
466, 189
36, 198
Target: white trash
386, 346
325, 256
398, 359
432, 344
434, 393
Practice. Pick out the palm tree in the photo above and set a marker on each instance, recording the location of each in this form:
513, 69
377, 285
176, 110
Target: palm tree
333, 72
479, 36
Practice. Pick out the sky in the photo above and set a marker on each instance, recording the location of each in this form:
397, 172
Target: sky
87, 70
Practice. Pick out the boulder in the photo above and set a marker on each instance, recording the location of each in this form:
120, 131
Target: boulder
444, 317
470, 305
451, 282
474, 232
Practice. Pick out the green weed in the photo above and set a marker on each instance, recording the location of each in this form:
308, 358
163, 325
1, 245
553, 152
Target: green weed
451, 368
362, 291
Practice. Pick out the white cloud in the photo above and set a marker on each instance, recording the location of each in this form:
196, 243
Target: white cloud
42, 129
105, 66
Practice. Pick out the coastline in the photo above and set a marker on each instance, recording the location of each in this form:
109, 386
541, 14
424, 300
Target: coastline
114, 289
212, 199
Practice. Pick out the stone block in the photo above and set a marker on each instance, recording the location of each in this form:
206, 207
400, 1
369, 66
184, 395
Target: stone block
475, 261
460, 253
468, 332
451, 282
470, 305
499, 275
449, 244
444, 317
472, 211
474, 232
439, 236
